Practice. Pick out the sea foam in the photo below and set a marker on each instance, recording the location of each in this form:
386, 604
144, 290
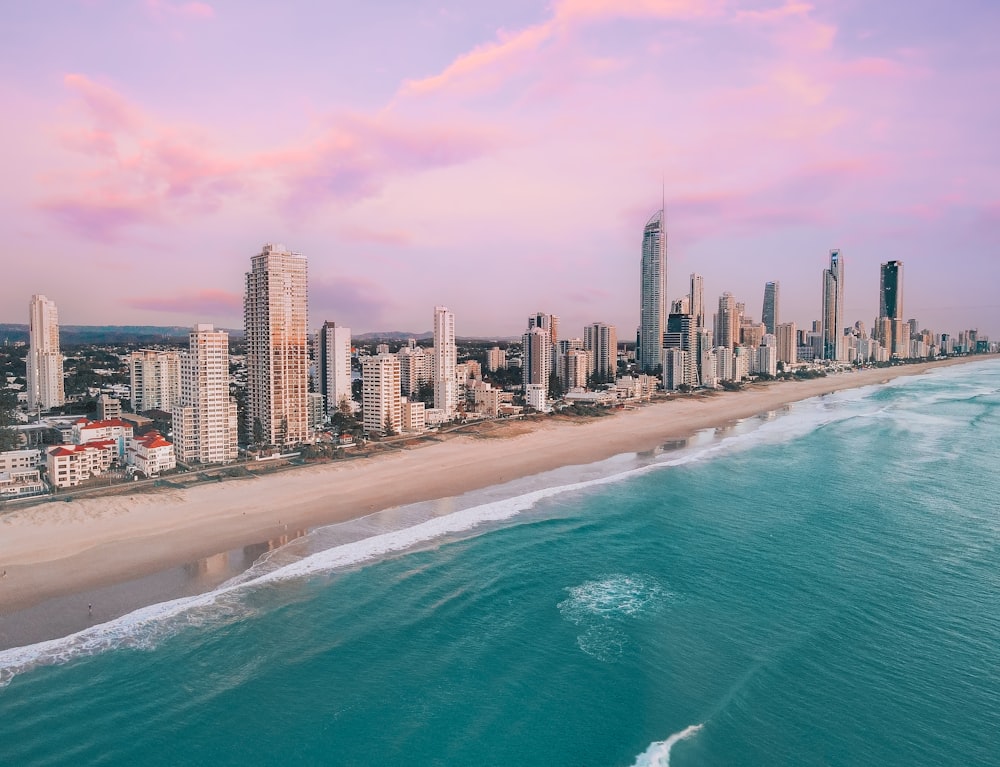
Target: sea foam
658, 753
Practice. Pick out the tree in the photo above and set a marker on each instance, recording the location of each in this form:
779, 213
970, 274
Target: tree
556, 389
8, 437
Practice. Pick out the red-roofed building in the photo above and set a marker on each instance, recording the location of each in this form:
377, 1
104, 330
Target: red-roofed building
69, 465
116, 429
150, 453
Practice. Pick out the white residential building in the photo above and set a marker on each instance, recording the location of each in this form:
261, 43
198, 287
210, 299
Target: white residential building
205, 421
445, 359
117, 431
151, 454
380, 400
44, 361
69, 465
334, 347
156, 380
535, 397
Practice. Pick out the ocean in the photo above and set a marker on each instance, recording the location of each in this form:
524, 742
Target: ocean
815, 586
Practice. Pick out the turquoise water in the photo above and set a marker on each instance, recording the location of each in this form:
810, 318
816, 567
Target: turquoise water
816, 587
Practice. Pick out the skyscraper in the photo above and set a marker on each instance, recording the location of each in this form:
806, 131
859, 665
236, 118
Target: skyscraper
204, 415
727, 322
334, 347
536, 362
889, 326
653, 292
276, 318
602, 342
770, 314
445, 359
45, 362
698, 300
682, 333
891, 290
833, 309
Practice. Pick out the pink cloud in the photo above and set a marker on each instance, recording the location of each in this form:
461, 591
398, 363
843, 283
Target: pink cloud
489, 64
378, 236
100, 216
347, 299
109, 111
211, 303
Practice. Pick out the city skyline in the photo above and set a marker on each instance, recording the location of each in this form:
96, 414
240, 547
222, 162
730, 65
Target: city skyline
123, 185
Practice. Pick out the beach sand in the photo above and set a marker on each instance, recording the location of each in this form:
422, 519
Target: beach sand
53, 550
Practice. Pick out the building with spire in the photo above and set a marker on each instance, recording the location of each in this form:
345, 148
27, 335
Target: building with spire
45, 362
653, 293
276, 319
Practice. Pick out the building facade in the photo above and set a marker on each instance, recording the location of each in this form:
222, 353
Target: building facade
602, 342
276, 318
381, 404
334, 347
652, 292
445, 359
205, 419
46, 388
834, 347
769, 315
156, 380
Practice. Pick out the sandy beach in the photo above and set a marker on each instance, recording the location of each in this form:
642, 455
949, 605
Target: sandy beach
55, 549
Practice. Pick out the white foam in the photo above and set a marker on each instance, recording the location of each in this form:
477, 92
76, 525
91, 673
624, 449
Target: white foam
658, 753
143, 628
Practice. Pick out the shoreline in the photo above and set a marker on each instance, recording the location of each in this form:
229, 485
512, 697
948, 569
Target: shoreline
53, 551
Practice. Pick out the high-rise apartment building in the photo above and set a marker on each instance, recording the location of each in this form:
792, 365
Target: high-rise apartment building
787, 342
334, 346
381, 403
834, 347
653, 293
602, 342
276, 318
698, 299
445, 360
536, 358
496, 359
45, 363
770, 313
682, 333
889, 325
204, 415
727, 322
156, 379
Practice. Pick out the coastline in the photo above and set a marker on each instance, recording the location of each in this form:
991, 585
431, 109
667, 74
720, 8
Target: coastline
54, 550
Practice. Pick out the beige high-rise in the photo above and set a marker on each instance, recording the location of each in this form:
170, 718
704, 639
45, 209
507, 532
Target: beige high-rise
45, 362
205, 417
276, 317
156, 379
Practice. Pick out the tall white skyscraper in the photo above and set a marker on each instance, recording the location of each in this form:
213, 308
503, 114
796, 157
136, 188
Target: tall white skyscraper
156, 379
204, 416
727, 322
653, 292
276, 318
45, 362
445, 360
334, 346
834, 347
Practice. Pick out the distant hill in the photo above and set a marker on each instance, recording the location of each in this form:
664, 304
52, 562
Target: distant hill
108, 334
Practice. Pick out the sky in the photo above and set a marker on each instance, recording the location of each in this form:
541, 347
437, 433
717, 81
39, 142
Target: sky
497, 158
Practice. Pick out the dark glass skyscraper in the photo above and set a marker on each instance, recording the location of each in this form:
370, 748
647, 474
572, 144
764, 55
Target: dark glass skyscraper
891, 291
770, 313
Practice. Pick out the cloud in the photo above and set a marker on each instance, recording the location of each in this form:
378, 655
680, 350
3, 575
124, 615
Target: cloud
145, 170
347, 299
209, 303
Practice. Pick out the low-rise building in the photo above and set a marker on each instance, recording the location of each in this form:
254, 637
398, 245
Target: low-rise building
151, 454
413, 416
16, 460
69, 465
21, 483
116, 430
